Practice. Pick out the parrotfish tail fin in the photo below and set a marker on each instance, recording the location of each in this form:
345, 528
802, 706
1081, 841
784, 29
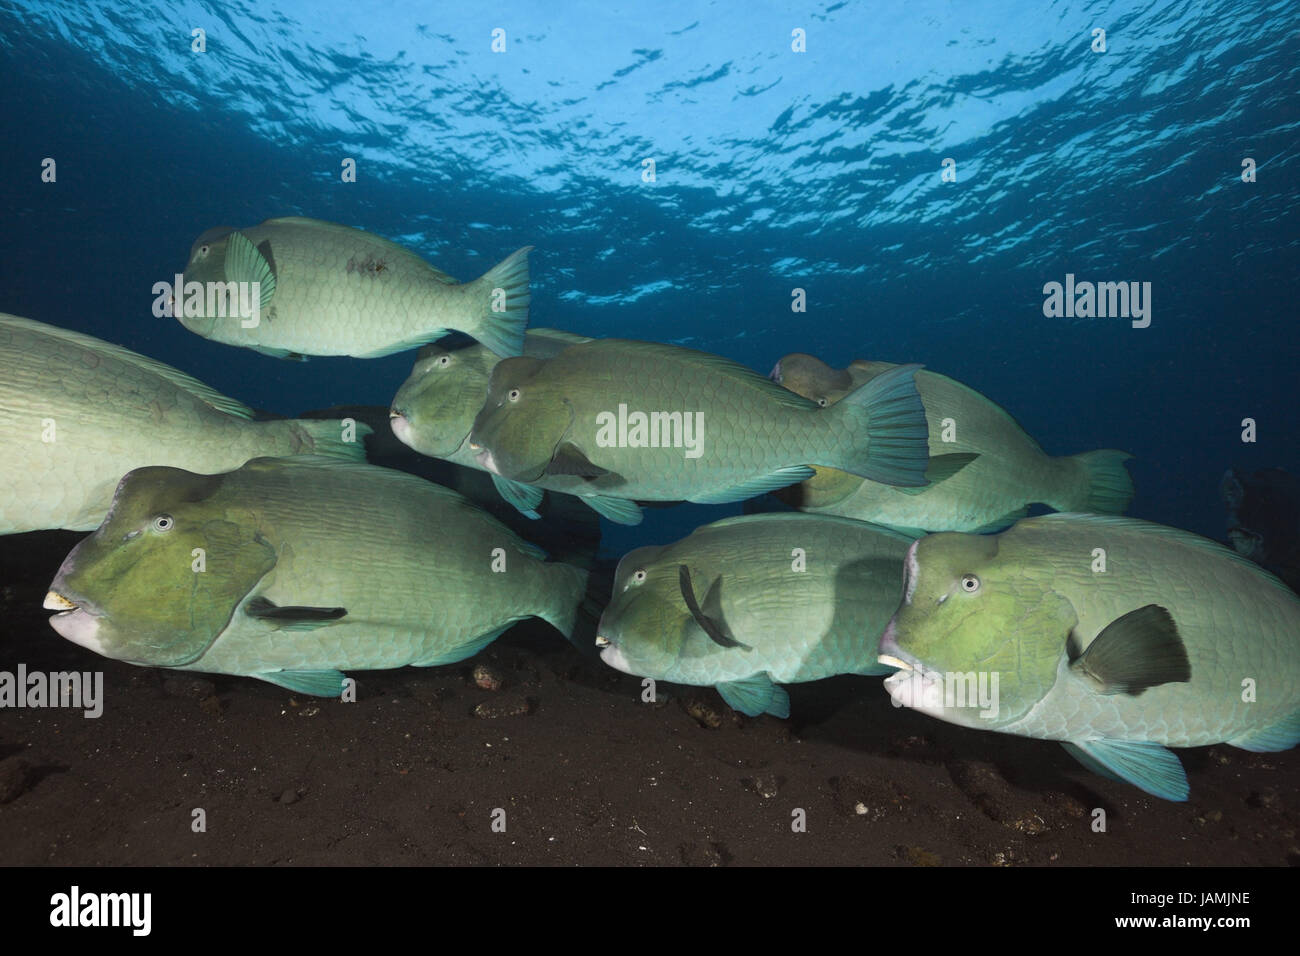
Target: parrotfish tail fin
335, 438
889, 428
568, 589
586, 619
1098, 484
504, 297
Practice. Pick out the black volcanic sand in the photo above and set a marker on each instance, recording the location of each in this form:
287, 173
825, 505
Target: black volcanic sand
585, 772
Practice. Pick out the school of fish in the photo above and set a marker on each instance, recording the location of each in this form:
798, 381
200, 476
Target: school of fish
227, 543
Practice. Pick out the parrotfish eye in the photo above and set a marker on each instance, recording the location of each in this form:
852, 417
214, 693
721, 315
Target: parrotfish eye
822, 401
444, 360
969, 583
163, 523
638, 576
513, 395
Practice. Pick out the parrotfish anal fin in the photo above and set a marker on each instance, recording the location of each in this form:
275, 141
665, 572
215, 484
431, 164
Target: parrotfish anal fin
756, 695
569, 460
756, 486
1135, 652
998, 524
316, 683
941, 468
245, 264
1146, 765
468, 649
524, 498
1281, 736
617, 510
293, 618
712, 625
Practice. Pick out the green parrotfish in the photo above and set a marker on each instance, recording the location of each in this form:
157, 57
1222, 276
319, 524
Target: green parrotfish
649, 422
1117, 637
985, 473
294, 570
76, 414
748, 603
327, 289
434, 411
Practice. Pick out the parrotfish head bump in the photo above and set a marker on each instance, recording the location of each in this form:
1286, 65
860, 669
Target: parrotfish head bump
641, 631
812, 378
206, 264
434, 409
973, 622
161, 577
522, 422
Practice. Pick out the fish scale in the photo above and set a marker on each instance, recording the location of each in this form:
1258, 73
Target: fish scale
798, 625
329, 289
751, 429
114, 410
1010, 473
1155, 651
367, 568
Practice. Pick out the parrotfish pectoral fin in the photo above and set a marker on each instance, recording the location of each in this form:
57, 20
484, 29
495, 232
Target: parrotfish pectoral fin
316, 683
617, 510
503, 331
245, 264
1281, 736
757, 486
524, 498
887, 410
569, 460
293, 618
1146, 765
756, 695
1135, 652
712, 626
941, 468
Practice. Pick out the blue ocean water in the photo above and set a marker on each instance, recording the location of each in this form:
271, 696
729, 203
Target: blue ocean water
774, 170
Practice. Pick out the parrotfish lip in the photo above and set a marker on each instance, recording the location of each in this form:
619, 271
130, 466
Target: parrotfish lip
77, 625
485, 459
891, 655
400, 424
602, 641
616, 659
914, 689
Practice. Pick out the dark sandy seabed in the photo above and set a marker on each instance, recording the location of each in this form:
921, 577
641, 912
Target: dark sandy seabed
586, 773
